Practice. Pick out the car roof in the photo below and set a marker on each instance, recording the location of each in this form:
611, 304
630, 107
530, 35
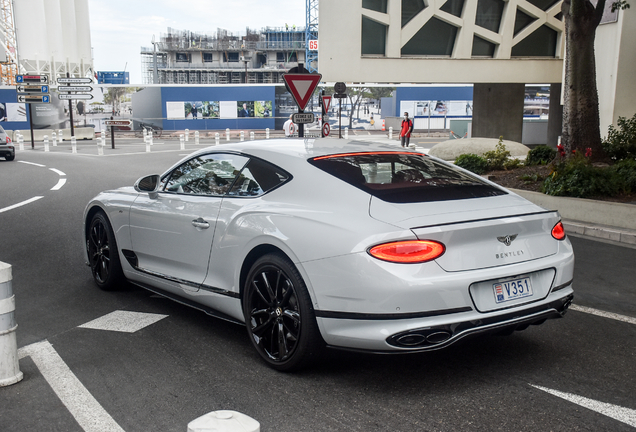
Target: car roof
282, 150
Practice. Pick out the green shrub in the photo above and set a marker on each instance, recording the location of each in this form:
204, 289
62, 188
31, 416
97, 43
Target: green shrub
512, 164
627, 170
540, 155
576, 177
621, 143
497, 158
472, 162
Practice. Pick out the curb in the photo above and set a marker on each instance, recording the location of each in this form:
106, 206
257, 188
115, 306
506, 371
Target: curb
599, 219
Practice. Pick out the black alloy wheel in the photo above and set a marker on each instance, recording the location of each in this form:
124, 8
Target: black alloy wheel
279, 315
102, 253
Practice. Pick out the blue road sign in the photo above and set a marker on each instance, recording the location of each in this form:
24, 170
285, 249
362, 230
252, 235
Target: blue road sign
46, 99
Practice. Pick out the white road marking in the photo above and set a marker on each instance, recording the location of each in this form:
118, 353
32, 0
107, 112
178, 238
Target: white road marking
61, 182
625, 415
603, 314
32, 163
57, 171
90, 415
29, 201
124, 321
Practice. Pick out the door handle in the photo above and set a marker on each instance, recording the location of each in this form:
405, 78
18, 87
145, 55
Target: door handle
201, 223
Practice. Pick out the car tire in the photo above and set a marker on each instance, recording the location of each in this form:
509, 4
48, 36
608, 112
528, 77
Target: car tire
9, 158
103, 254
279, 315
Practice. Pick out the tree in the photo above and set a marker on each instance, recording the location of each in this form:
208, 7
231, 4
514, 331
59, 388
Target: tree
581, 124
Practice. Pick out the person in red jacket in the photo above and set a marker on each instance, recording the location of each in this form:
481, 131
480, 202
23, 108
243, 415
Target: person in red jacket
405, 132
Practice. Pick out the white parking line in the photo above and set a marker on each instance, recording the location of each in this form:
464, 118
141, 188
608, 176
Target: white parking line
124, 321
32, 163
625, 415
603, 314
90, 415
29, 201
60, 183
57, 171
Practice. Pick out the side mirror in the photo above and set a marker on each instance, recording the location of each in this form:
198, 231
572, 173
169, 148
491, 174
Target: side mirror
149, 184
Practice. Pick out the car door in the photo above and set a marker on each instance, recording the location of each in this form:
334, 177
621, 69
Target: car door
172, 234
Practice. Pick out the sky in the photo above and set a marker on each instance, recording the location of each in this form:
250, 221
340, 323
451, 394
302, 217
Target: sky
119, 28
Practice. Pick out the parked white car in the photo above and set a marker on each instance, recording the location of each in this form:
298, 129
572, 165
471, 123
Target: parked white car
347, 244
7, 149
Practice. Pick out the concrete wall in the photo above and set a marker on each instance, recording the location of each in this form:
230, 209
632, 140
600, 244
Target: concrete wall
498, 111
341, 57
616, 69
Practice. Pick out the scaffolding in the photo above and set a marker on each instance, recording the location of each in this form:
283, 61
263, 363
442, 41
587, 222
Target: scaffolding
311, 34
8, 68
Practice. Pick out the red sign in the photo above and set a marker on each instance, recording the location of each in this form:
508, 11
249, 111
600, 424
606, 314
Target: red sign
326, 100
326, 129
302, 86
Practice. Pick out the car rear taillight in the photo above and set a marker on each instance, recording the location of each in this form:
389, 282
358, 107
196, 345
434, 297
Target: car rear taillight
408, 252
8, 139
558, 232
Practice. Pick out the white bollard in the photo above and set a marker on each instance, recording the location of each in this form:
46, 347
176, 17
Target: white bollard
100, 148
251, 136
242, 136
217, 138
147, 146
60, 135
54, 138
227, 134
196, 137
346, 132
16, 136
187, 135
9, 366
73, 145
267, 133
21, 141
144, 134
391, 132
46, 143
181, 142
151, 139
224, 421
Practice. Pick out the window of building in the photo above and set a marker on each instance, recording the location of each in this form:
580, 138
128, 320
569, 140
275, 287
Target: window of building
489, 13
410, 8
183, 57
544, 5
541, 43
436, 38
208, 57
453, 7
230, 57
483, 48
280, 57
522, 20
376, 5
373, 37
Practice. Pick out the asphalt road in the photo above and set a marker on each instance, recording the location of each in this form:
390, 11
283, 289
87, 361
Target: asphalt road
187, 364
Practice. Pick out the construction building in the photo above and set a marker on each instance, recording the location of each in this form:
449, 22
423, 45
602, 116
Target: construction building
185, 57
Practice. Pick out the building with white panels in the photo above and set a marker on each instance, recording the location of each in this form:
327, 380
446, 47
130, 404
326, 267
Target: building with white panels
53, 37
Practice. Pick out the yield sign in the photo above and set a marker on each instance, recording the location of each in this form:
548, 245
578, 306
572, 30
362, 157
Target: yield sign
302, 86
326, 100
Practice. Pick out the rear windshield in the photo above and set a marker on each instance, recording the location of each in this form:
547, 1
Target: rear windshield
405, 177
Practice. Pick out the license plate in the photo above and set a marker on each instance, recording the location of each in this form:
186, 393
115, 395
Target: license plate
512, 289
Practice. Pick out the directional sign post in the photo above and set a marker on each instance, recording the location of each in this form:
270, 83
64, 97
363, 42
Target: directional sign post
32, 89
32, 79
301, 86
74, 96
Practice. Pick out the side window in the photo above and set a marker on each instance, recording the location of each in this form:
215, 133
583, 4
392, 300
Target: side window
211, 174
257, 178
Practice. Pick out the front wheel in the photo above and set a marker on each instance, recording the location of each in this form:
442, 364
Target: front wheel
10, 158
102, 253
279, 316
